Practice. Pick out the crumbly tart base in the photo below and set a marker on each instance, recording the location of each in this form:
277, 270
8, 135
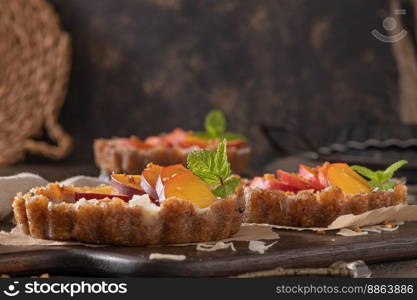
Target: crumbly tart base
44, 214
309, 209
110, 158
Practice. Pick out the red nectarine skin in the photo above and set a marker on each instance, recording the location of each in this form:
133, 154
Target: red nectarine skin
311, 175
294, 180
271, 184
189, 187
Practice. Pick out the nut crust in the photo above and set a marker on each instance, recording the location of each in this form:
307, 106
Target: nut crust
309, 209
110, 158
45, 213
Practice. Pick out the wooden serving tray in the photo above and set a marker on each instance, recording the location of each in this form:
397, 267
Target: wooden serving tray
294, 249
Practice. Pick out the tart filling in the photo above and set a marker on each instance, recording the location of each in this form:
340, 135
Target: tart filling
163, 205
315, 197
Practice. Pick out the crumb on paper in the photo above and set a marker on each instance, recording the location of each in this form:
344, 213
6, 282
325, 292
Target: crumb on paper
350, 232
161, 256
259, 246
357, 229
209, 247
320, 232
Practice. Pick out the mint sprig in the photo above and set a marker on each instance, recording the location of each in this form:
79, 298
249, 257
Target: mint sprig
214, 169
215, 126
380, 179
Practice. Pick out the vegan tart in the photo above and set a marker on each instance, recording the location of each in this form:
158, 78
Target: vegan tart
163, 205
315, 197
131, 155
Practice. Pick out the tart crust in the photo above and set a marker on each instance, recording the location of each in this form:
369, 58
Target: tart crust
309, 209
110, 158
45, 213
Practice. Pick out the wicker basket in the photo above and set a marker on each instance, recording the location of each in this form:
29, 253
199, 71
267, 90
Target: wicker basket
34, 69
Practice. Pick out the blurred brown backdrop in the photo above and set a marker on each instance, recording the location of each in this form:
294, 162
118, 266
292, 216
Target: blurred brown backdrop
145, 66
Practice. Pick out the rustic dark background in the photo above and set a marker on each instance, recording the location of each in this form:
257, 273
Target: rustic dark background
146, 66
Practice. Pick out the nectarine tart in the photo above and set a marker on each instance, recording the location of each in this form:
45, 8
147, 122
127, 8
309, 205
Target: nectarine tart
315, 197
163, 205
131, 155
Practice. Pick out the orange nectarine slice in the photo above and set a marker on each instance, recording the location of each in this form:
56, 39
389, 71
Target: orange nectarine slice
171, 171
150, 177
189, 187
341, 175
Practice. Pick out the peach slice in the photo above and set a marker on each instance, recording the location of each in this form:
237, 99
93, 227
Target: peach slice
341, 175
269, 182
166, 174
322, 174
127, 184
133, 142
150, 176
189, 187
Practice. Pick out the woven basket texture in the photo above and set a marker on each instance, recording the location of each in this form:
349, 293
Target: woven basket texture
35, 58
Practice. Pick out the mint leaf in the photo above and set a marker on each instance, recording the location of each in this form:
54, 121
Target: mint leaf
215, 123
221, 165
227, 188
383, 186
364, 172
214, 169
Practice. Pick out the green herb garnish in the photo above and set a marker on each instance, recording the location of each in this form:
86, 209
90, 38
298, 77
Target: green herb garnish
215, 125
214, 169
380, 179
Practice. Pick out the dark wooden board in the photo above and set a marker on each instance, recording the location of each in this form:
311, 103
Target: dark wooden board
294, 249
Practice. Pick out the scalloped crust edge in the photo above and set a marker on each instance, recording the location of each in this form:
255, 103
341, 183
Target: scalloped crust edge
110, 159
308, 209
114, 221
